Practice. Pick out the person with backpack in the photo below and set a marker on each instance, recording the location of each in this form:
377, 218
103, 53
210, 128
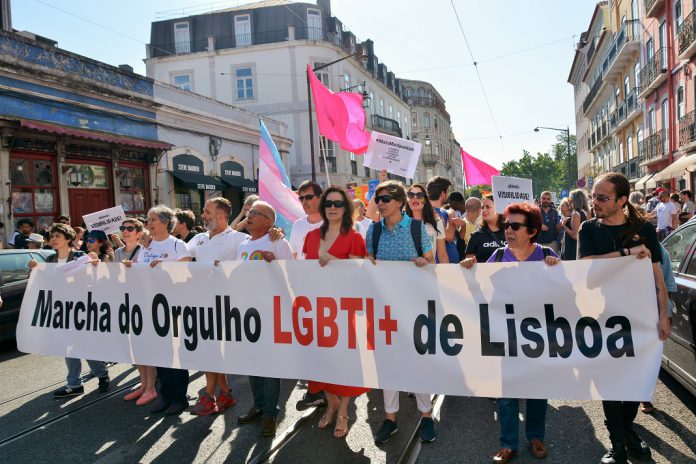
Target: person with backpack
522, 225
419, 207
397, 237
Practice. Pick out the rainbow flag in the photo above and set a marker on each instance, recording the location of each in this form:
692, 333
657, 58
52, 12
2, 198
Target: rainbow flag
274, 184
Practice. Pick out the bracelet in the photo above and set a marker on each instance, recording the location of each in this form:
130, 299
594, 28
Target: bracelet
622, 252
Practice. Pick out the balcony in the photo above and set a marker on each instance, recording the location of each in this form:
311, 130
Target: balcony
622, 168
653, 8
592, 94
654, 147
429, 159
687, 131
386, 125
654, 73
624, 50
686, 35
635, 171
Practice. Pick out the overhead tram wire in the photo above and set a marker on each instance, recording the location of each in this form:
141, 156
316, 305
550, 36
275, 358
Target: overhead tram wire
478, 74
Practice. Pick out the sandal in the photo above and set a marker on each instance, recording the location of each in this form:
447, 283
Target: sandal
326, 420
341, 432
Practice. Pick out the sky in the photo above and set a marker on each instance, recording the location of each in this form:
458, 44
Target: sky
523, 50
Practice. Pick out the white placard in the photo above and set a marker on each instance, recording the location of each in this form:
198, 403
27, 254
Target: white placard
489, 331
508, 190
108, 220
398, 156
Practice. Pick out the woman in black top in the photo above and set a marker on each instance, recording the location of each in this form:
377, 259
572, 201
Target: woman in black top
581, 211
489, 237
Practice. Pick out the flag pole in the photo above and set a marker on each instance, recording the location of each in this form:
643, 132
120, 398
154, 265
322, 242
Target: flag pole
322, 149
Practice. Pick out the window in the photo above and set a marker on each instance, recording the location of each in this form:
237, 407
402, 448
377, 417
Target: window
621, 152
133, 184
398, 116
182, 38
435, 122
663, 44
629, 147
677, 245
182, 81
652, 124
245, 84
627, 86
367, 172
680, 102
372, 103
678, 17
636, 74
326, 149
33, 179
414, 121
391, 112
346, 81
664, 109
381, 107
322, 74
408, 91
314, 29
242, 30
353, 165
426, 120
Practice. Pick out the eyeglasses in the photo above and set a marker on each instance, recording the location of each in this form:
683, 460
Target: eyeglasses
513, 225
91, 240
255, 213
602, 198
383, 198
334, 203
306, 197
412, 195
128, 228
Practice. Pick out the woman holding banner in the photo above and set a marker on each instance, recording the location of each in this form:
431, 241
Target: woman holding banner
335, 239
488, 238
522, 226
419, 207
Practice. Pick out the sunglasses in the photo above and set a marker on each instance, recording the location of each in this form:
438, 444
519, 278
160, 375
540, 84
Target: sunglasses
128, 228
602, 198
255, 213
91, 240
334, 203
306, 197
383, 198
412, 195
513, 225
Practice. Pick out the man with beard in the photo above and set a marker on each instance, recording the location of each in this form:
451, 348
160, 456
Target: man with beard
551, 218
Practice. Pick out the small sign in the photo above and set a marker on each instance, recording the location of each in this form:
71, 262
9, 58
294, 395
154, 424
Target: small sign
564, 193
108, 220
581, 183
371, 187
398, 156
590, 182
507, 190
554, 198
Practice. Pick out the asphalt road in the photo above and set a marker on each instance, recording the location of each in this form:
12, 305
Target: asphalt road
102, 428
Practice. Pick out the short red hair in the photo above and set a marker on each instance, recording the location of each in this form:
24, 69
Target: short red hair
532, 217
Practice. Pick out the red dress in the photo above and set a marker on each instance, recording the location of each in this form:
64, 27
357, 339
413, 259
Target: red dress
345, 245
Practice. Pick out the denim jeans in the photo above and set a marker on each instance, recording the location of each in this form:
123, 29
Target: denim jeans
509, 417
75, 371
266, 392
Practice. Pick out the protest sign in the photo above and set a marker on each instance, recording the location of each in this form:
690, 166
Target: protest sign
108, 220
361, 193
398, 156
371, 186
508, 190
489, 331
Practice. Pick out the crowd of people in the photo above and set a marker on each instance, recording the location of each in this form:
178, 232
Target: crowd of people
424, 224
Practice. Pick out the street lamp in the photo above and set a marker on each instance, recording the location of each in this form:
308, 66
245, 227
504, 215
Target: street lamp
363, 58
567, 133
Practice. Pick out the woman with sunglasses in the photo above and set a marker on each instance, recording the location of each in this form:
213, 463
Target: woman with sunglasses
335, 239
488, 238
522, 228
98, 243
419, 207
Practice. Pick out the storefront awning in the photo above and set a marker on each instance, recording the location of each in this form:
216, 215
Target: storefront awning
245, 185
93, 135
676, 169
645, 182
198, 181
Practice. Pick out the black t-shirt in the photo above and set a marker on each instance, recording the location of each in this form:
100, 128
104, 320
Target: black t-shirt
484, 242
598, 239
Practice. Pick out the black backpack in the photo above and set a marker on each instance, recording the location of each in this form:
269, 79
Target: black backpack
415, 234
500, 251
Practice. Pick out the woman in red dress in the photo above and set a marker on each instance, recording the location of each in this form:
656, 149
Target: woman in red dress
335, 239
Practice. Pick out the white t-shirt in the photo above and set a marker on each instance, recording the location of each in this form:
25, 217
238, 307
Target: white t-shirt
299, 231
169, 249
664, 214
433, 234
222, 247
363, 226
252, 250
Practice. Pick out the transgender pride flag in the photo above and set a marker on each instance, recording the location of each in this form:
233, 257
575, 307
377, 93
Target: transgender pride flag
274, 184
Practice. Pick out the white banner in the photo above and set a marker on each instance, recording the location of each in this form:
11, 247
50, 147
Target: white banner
398, 156
572, 331
508, 190
109, 220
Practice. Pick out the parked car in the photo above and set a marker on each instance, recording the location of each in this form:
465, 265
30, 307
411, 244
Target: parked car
14, 275
679, 356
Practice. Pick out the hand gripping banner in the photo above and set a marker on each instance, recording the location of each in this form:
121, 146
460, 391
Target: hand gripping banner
580, 330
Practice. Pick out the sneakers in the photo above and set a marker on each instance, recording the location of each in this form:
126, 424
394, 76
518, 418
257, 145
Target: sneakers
636, 447
387, 429
615, 455
147, 398
65, 392
225, 401
205, 406
104, 384
427, 430
504, 455
311, 400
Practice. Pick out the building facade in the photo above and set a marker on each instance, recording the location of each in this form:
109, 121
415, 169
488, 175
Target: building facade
255, 57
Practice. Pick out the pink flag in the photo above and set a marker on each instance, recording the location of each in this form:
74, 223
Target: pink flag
476, 171
340, 116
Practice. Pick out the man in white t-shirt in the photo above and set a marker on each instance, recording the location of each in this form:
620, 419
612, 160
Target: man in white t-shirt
219, 243
667, 215
257, 247
309, 194
361, 221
